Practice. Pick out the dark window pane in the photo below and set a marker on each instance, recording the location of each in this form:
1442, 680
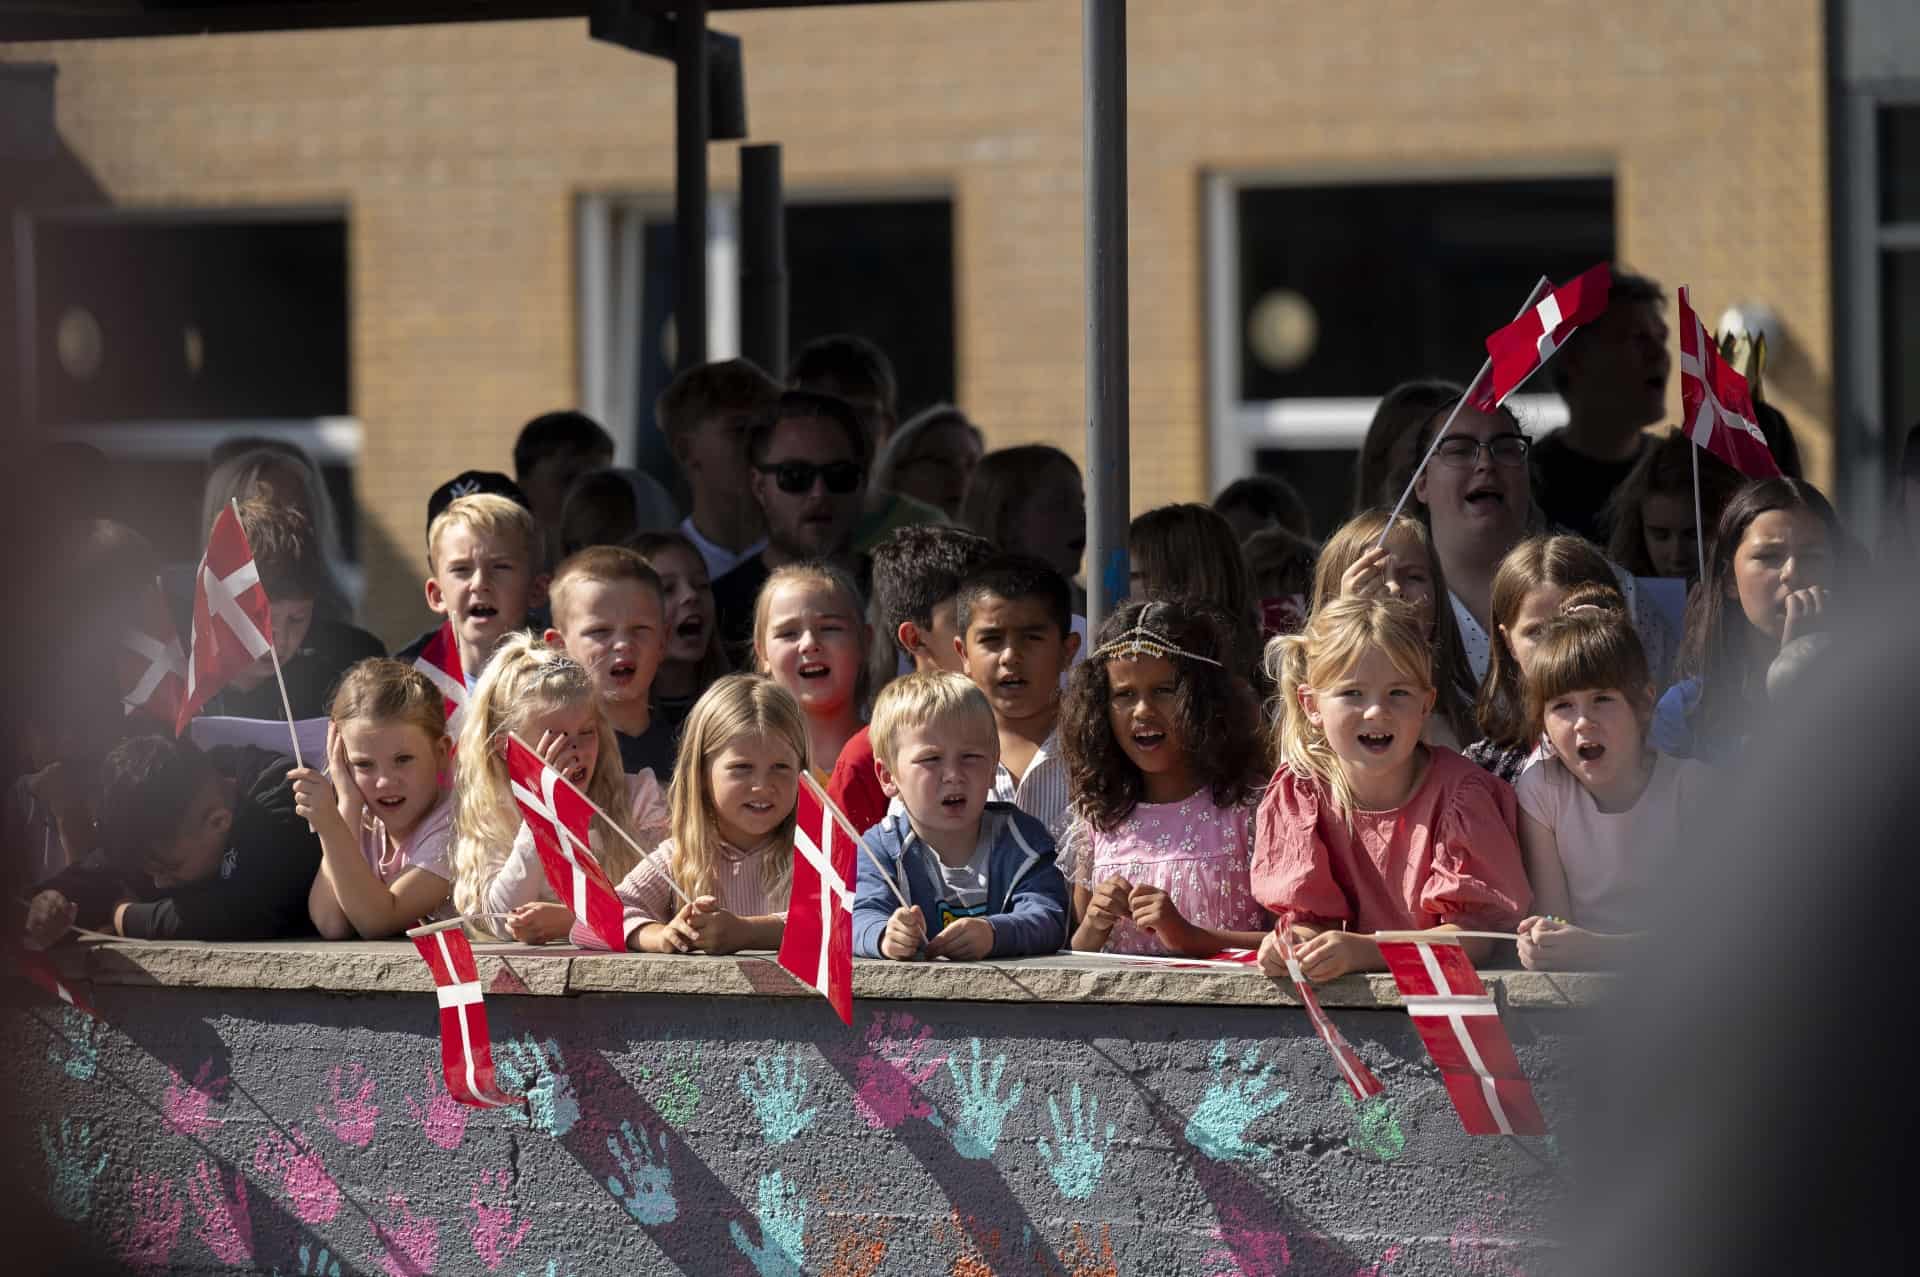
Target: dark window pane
1900, 163
1900, 342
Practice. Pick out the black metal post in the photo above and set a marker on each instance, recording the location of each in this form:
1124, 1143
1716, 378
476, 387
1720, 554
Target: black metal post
690, 183
1104, 58
763, 260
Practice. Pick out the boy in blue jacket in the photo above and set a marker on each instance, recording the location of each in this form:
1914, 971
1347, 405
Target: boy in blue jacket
980, 875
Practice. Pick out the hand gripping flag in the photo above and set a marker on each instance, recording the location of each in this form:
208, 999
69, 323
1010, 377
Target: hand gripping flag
561, 820
232, 627
1359, 1078
439, 660
1518, 350
466, 1050
151, 665
1461, 1027
1716, 405
817, 944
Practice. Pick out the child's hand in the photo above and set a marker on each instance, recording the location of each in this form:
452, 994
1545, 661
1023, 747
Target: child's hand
1332, 954
556, 751
49, 917
540, 923
1546, 943
1273, 958
315, 801
1110, 903
1152, 909
1803, 612
1367, 577
905, 934
963, 940
351, 802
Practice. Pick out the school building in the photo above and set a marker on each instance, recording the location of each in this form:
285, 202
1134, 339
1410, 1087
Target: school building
398, 244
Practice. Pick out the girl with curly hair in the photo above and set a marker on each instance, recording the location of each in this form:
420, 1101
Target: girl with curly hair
1166, 759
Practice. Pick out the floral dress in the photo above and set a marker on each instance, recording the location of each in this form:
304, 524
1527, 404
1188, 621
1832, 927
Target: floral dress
1194, 851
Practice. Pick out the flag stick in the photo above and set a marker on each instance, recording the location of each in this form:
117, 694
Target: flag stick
611, 823
1440, 937
414, 933
1699, 528
846, 827
1486, 366
278, 677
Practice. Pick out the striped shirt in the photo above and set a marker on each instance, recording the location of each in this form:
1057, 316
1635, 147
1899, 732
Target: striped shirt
648, 895
1041, 793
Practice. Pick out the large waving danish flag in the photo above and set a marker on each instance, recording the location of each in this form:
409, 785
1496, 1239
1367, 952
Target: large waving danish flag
466, 1050
817, 945
561, 819
1521, 347
1359, 1078
232, 625
1461, 1027
151, 664
439, 660
1716, 403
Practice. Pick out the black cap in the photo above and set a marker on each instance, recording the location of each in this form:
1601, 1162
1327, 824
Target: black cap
469, 482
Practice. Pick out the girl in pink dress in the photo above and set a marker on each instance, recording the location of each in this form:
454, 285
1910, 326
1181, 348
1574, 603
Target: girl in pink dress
1166, 758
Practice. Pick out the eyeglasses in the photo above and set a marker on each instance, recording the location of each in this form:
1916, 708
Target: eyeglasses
797, 477
1460, 451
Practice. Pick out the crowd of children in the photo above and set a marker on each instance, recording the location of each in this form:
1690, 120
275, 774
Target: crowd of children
1461, 717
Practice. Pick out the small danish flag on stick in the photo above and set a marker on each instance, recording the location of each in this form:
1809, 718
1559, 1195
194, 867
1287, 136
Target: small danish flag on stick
232, 623
1359, 1078
151, 663
1718, 406
439, 660
816, 947
39, 968
561, 820
466, 1049
1519, 349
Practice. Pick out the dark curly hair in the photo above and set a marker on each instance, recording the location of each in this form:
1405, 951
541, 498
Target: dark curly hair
1218, 716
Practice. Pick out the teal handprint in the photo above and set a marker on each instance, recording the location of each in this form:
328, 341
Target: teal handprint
1232, 1104
553, 1270
1076, 1167
538, 1071
1376, 1127
69, 1178
644, 1186
777, 1089
976, 1127
77, 1051
320, 1264
783, 1225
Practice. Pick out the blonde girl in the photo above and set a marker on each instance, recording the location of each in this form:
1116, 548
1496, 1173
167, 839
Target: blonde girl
811, 637
547, 699
1366, 828
384, 820
720, 882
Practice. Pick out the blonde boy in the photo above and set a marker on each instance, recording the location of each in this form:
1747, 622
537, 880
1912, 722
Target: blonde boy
609, 614
482, 553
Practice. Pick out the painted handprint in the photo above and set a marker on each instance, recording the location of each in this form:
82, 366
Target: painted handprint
145, 1241
1085, 1260
443, 1118
78, 1049
409, 1244
553, 1269
975, 1128
1380, 1268
71, 1169
226, 1223
1376, 1127
315, 1263
291, 1162
1234, 1101
891, 1075
350, 1117
1080, 1158
188, 1103
492, 1232
777, 1088
644, 1185
783, 1225
679, 1099
538, 1071
1246, 1250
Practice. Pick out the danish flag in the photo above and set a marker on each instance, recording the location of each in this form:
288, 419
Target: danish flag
232, 626
1519, 349
1359, 1078
466, 1050
151, 664
561, 819
1461, 1027
439, 660
39, 968
1716, 404
817, 945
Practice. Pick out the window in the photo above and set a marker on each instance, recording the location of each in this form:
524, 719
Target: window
1898, 146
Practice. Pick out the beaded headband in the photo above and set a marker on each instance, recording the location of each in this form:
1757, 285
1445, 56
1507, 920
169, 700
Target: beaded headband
1141, 641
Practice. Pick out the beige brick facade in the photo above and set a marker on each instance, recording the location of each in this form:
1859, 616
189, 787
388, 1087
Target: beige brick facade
459, 151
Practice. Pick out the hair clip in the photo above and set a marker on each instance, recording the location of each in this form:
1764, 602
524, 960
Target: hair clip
1141, 641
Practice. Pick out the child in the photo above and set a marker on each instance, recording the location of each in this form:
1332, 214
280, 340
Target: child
981, 875
548, 700
609, 615
1030, 500
384, 822
705, 414
1768, 569
1016, 639
1165, 750
731, 850
1531, 585
1191, 551
1651, 512
694, 657
1599, 820
810, 637
611, 507
192, 846
1364, 828
1280, 566
484, 555
552, 451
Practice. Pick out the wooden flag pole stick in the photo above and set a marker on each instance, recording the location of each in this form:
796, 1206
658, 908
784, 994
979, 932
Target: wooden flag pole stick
414, 933
278, 677
610, 821
1699, 528
1440, 937
846, 827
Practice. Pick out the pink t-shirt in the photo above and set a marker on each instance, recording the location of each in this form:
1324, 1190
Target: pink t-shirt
428, 847
647, 892
1448, 854
1192, 850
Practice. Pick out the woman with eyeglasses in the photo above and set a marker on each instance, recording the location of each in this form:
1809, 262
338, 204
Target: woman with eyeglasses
932, 459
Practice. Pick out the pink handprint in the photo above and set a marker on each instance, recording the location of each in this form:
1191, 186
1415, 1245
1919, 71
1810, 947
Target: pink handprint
1388, 1257
494, 1236
225, 1222
146, 1241
442, 1117
350, 1119
410, 1244
302, 1176
187, 1102
891, 1075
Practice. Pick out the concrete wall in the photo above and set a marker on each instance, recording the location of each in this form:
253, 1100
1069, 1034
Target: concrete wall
208, 1129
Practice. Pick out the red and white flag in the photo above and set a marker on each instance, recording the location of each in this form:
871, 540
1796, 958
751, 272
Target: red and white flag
561, 820
439, 660
39, 968
466, 1049
1716, 403
151, 663
1359, 1078
1518, 350
232, 625
1461, 1027
817, 945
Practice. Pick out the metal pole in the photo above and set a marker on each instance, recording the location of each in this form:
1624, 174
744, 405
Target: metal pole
763, 260
690, 183
1104, 59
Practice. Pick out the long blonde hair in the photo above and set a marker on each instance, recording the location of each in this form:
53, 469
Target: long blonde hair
1336, 638
524, 678
737, 705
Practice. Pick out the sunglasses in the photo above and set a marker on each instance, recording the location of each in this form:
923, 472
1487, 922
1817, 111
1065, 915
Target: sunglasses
797, 477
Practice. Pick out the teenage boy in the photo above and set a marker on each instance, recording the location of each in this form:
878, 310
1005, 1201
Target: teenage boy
980, 875
609, 614
916, 572
552, 451
705, 414
482, 556
192, 846
1015, 617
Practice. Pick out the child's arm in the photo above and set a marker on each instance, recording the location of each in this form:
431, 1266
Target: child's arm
1035, 921
1099, 909
704, 927
876, 911
517, 889
1548, 944
1153, 910
347, 888
1540, 852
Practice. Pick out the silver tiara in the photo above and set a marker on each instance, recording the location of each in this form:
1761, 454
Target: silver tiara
1141, 641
